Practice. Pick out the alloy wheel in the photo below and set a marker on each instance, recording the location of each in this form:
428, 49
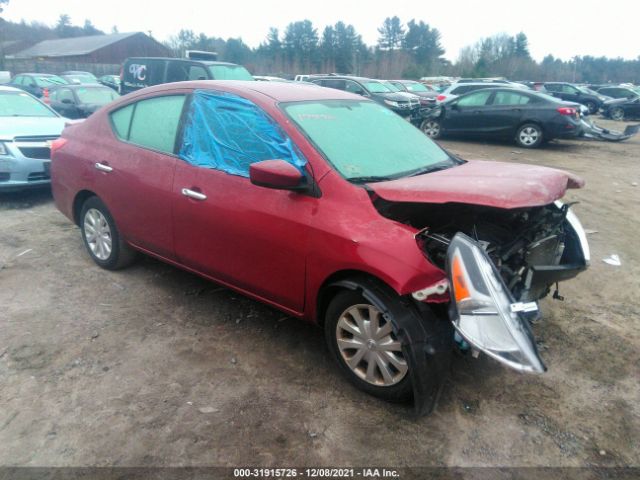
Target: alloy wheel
617, 114
431, 128
98, 234
369, 347
529, 136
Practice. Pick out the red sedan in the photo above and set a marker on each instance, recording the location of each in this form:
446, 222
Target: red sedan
333, 209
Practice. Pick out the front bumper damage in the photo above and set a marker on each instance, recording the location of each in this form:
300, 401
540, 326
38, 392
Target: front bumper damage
484, 311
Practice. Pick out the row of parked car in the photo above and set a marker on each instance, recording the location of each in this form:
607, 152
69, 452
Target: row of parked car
529, 114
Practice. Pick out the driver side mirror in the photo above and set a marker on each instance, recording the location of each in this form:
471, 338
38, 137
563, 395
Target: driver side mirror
66, 100
277, 174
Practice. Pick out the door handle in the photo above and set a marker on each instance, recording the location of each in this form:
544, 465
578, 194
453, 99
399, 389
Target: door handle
103, 168
193, 194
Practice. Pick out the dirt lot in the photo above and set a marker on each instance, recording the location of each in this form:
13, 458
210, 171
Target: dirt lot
154, 366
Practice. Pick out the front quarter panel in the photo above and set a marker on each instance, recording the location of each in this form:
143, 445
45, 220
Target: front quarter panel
349, 235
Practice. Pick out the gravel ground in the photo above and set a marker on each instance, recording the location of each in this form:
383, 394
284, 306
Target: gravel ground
155, 366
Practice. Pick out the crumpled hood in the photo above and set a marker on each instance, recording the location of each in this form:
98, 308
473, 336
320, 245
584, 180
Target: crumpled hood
11, 127
478, 182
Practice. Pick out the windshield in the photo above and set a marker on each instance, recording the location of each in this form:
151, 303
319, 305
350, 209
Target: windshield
416, 87
98, 96
392, 87
22, 105
366, 142
229, 72
376, 87
50, 81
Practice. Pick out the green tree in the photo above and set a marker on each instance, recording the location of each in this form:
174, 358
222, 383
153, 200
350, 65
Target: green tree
236, 51
90, 29
63, 26
328, 47
423, 44
2, 33
391, 34
300, 44
521, 48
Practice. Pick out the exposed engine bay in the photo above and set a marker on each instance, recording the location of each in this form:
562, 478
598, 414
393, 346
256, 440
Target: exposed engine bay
532, 248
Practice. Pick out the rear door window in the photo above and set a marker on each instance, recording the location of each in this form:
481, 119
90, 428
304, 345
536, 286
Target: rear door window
152, 123
353, 87
510, 98
197, 72
475, 99
65, 94
338, 84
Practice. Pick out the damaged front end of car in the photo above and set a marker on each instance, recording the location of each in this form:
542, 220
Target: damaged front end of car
498, 263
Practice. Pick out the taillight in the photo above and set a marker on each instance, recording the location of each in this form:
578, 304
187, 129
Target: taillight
440, 98
45, 96
57, 144
570, 111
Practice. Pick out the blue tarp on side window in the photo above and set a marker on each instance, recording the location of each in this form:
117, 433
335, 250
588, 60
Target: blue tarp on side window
227, 132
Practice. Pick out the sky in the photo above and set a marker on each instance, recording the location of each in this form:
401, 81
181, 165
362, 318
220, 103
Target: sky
563, 28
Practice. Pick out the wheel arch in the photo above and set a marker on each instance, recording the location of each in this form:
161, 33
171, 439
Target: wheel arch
81, 197
538, 123
343, 280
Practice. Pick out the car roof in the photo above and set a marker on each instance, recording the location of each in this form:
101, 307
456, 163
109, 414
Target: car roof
10, 89
39, 74
79, 85
277, 91
346, 77
471, 84
205, 62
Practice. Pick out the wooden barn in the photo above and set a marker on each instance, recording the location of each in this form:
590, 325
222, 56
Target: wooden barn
98, 49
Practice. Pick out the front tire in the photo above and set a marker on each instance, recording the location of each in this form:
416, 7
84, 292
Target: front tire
364, 344
101, 237
529, 135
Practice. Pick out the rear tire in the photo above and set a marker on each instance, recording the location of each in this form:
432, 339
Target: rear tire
101, 237
431, 128
616, 113
529, 135
593, 108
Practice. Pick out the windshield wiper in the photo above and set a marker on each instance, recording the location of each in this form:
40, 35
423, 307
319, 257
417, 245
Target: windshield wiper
368, 179
433, 168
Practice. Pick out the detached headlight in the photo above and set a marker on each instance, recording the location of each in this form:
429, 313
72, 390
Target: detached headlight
4, 150
485, 313
392, 103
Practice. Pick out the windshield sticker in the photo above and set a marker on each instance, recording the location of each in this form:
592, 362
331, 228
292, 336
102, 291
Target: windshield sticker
315, 116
